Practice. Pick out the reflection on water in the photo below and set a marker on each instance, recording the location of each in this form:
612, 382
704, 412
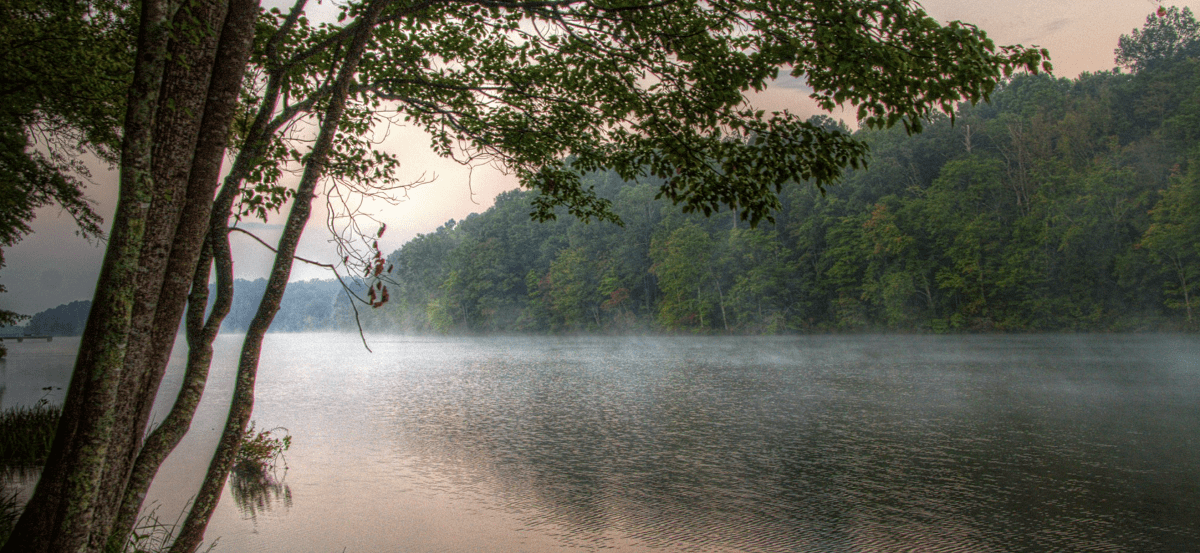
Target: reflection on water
257, 491
34, 370
757, 447
811, 444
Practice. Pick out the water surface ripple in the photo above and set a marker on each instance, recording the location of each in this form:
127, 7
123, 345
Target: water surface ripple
862, 444
801, 444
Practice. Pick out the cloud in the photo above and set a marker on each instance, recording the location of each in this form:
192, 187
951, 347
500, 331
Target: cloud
1055, 26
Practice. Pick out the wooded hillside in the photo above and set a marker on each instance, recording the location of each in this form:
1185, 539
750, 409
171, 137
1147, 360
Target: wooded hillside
1061, 204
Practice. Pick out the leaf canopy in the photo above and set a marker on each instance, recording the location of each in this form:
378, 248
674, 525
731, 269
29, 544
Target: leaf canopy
553, 90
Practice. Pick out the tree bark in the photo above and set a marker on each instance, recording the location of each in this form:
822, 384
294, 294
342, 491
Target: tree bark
169, 171
131, 478
192, 532
176, 132
721, 303
201, 332
59, 515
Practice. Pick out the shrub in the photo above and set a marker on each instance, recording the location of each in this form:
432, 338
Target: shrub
261, 451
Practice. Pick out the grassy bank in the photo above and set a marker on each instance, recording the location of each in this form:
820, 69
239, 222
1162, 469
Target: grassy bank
26, 434
25, 437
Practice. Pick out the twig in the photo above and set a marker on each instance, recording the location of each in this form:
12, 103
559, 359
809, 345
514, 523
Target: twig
349, 293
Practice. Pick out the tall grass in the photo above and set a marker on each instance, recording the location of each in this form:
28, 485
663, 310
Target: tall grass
25, 437
26, 434
10, 509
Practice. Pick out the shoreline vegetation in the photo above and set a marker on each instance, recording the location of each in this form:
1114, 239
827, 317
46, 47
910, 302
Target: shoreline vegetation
27, 432
1064, 205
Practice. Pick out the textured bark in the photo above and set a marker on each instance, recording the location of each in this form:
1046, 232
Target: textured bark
176, 130
202, 332
131, 478
192, 532
169, 172
59, 515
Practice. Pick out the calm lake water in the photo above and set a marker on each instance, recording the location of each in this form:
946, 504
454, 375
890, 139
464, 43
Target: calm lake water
809, 444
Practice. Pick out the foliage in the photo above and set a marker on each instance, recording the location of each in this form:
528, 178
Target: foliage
262, 451
1051, 207
9, 318
1173, 238
26, 434
152, 534
681, 263
64, 64
652, 90
1054, 206
64, 320
10, 510
1168, 33
553, 91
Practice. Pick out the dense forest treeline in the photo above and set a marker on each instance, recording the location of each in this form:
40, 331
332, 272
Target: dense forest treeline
64, 320
1061, 204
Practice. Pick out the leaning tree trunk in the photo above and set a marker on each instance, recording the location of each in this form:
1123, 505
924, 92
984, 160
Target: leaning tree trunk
168, 175
202, 332
177, 132
130, 476
192, 532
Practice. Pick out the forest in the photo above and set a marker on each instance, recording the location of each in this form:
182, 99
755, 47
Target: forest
171, 92
1062, 204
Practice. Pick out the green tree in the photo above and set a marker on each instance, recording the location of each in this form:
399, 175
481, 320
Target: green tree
471, 291
845, 264
894, 274
1173, 239
654, 88
682, 263
64, 65
573, 290
132, 324
967, 209
1167, 33
759, 270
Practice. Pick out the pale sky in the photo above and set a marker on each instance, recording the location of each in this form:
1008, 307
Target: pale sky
54, 266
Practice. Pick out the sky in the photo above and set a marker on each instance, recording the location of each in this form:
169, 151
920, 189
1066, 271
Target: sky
54, 265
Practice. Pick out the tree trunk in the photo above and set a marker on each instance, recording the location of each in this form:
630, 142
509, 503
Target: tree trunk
721, 304
177, 130
169, 171
59, 515
192, 532
1181, 270
130, 485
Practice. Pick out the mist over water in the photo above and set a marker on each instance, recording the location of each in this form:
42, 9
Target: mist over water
821, 444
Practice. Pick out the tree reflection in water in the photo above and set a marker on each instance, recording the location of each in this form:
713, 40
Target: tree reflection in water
257, 491
255, 484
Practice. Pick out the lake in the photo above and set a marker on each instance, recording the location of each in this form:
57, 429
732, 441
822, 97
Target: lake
797, 444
